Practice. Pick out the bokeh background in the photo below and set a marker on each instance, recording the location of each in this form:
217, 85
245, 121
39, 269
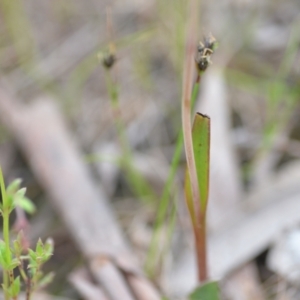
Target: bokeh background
125, 123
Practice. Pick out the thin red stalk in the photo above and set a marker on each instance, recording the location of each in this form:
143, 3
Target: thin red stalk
28, 289
188, 75
200, 243
189, 69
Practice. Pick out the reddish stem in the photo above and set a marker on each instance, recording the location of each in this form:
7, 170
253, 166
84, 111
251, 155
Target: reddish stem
200, 243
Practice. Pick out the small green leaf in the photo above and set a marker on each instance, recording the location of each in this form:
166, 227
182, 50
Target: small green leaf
9, 204
2, 254
208, 291
201, 145
5, 258
13, 264
13, 186
15, 287
3, 190
18, 248
32, 255
39, 248
2, 246
48, 248
21, 192
25, 204
5, 289
2, 260
32, 266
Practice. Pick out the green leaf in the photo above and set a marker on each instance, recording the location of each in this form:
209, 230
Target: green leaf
201, 146
39, 248
208, 291
15, 287
25, 204
21, 192
2, 254
14, 186
5, 258
5, 289
3, 190
18, 248
33, 266
2, 260
48, 249
16, 196
13, 264
32, 255
9, 204
197, 207
2, 246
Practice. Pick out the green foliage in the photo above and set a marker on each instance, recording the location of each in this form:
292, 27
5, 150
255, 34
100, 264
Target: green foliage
197, 207
201, 145
207, 291
15, 287
13, 257
15, 196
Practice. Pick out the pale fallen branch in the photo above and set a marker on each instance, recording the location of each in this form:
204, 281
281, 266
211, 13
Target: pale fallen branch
59, 167
85, 287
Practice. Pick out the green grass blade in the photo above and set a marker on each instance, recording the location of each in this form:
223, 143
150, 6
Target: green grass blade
201, 145
197, 210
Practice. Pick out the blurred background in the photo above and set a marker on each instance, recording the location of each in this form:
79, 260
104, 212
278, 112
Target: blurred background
112, 72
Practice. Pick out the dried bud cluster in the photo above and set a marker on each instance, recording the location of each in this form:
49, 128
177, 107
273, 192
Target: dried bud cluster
108, 60
204, 51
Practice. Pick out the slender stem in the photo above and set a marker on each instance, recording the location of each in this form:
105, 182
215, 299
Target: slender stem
28, 289
138, 183
189, 70
11, 281
22, 271
6, 231
35, 277
5, 217
25, 278
11, 276
5, 284
200, 244
6, 276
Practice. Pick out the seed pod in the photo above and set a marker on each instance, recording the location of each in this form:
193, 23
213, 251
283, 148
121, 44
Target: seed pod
108, 60
204, 51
